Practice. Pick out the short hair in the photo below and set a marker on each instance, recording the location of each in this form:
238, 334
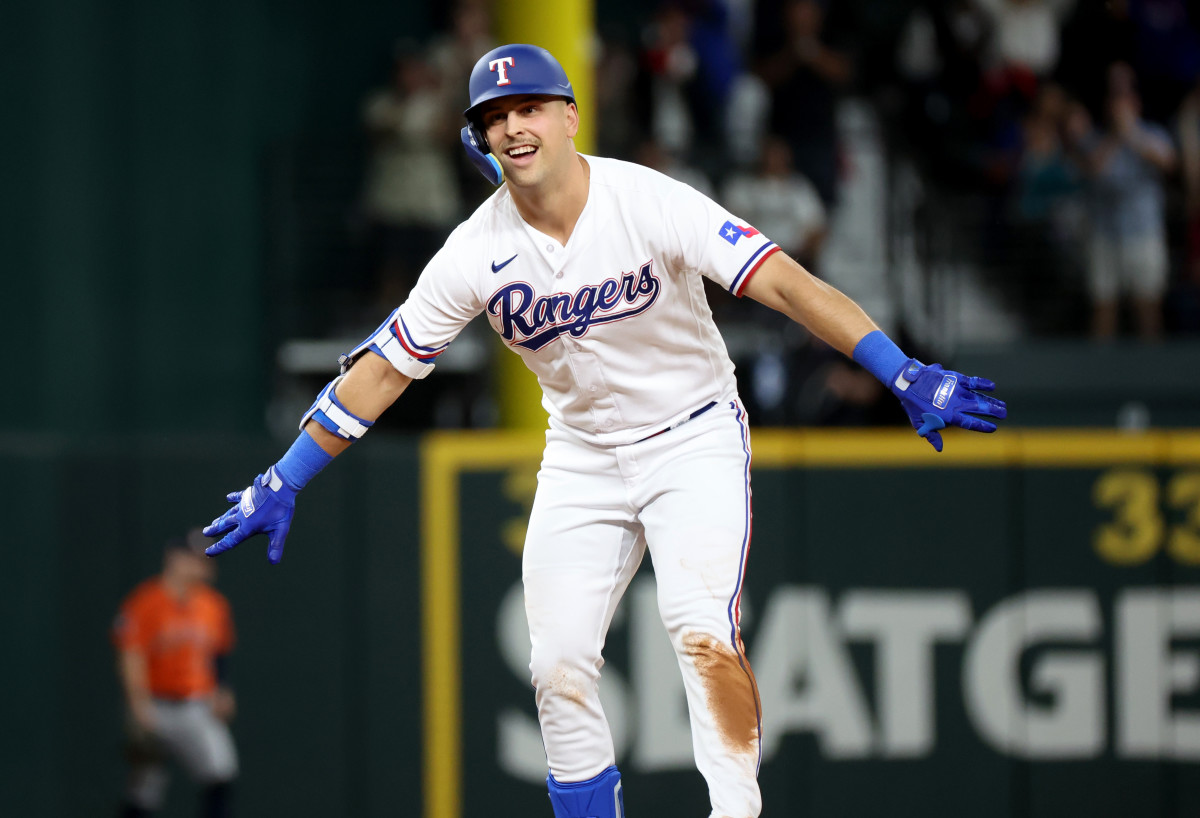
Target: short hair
192, 542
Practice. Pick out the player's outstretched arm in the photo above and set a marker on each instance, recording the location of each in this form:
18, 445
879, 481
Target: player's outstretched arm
932, 397
341, 414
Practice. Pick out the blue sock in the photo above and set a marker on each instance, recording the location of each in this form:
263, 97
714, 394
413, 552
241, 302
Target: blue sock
599, 797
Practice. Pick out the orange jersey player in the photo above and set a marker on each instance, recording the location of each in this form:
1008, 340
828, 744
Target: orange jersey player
173, 635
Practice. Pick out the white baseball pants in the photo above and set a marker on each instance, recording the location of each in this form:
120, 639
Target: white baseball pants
201, 743
685, 495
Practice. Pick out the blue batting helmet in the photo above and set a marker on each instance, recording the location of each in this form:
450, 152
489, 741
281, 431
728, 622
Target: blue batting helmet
511, 70
507, 71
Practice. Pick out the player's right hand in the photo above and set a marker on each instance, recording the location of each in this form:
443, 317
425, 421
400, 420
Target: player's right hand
265, 506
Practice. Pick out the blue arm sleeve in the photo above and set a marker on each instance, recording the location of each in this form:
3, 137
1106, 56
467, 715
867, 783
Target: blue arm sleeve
877, 354
302, 461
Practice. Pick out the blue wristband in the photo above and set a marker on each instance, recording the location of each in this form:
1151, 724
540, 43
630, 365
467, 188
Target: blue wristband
877, 354
302, 462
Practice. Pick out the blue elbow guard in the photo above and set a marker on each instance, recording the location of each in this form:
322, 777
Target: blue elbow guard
598, 797
328, 411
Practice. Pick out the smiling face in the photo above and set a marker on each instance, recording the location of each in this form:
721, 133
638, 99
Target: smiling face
531, 137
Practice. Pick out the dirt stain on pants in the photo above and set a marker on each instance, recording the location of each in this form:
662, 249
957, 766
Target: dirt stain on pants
732, 692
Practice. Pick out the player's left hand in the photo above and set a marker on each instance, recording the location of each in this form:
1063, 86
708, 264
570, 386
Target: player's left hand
265, 506
935, 398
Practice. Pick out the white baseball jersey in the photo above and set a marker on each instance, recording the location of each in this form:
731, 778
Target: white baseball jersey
615, 324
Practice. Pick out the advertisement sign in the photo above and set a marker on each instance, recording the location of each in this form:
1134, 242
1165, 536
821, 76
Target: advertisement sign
1009, 629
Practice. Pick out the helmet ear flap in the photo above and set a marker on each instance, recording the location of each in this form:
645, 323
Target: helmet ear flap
480, 153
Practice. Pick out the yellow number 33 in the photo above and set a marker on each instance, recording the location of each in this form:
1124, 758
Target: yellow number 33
1136, 530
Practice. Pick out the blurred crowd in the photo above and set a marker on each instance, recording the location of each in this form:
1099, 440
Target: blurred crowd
1058, 139
1071, 123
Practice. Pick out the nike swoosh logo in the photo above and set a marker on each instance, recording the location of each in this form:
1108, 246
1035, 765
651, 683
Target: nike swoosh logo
498, 267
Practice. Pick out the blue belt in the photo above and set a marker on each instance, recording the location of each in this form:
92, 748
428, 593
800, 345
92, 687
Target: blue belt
676, 425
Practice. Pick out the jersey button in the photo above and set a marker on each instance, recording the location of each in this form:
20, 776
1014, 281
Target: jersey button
558, 274
549, 248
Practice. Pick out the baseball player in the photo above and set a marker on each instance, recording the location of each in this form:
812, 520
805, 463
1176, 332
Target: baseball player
590, 270
173, 636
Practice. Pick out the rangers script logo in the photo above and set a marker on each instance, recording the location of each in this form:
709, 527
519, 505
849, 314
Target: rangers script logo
532, 322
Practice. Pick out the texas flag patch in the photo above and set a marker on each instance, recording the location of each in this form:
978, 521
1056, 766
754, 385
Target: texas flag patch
733, 232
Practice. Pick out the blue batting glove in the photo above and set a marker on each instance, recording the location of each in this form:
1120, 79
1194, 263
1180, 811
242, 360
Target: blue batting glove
935, 398
266, 505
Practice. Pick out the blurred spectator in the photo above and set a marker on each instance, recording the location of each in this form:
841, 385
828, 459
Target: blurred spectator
805, 76
411, 198
453, 55
653, 155
1045, 174
713, 38
1047, 218
618, 65
1021, 49
173, 635
996, 110
1027, 32
668, 72
980, 153
780, 202
941, 54
746, 119
1128, 246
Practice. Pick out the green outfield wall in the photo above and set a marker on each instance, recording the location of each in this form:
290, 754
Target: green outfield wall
1009, 629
